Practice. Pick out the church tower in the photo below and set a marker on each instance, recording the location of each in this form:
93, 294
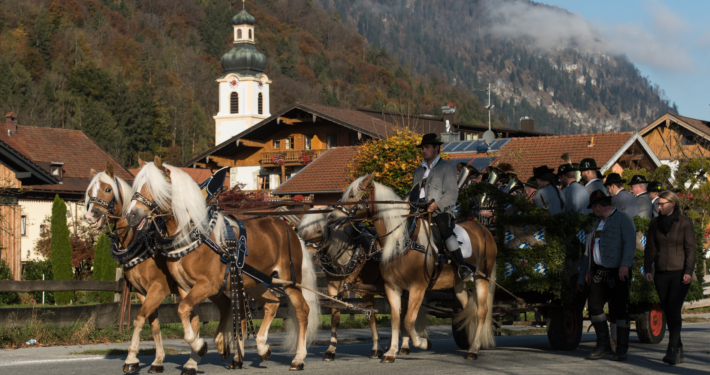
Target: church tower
244, 88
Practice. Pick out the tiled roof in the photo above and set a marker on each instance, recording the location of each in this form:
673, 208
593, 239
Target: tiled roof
527, 153
198, 175
325, 174
76, 150
354, 117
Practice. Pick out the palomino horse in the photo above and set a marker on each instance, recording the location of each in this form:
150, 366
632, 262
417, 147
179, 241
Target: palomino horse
164, 190
107, 198
339, 247
405, 269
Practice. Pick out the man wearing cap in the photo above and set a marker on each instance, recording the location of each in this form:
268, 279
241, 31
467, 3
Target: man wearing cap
588, 169
576, 196
654, 188
638, 187
622, 200
548, 197
606, 267
436, 179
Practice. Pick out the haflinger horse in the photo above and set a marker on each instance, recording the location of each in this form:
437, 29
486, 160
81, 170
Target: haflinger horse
273, 248
107, 199
339, 248
406, 269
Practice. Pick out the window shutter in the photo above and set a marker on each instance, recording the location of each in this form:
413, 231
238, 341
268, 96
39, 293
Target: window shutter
234, 103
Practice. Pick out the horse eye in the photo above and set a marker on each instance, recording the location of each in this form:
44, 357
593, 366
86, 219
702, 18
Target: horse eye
108, 189
320, 231
352, 196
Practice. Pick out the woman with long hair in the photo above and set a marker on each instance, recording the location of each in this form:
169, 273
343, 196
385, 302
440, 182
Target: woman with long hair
670, 251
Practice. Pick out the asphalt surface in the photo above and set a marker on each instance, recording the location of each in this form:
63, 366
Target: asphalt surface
530, 354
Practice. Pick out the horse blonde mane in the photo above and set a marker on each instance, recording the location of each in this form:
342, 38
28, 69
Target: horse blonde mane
391, 214
338, 241
123, 199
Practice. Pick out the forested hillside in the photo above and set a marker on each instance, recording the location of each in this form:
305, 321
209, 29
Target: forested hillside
139, 76
566, 88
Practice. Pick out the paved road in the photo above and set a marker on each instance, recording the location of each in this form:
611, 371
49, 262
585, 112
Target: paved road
514, 355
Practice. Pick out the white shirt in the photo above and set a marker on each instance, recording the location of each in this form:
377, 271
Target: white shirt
654, 200
422, 193
594, 179
597, 252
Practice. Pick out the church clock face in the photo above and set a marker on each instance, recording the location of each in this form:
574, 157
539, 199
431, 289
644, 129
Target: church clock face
233, 83
261, 84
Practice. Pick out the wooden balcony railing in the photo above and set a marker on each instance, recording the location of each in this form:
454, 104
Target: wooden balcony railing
291, 157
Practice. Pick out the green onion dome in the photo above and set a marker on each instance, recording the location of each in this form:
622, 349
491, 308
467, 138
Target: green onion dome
244, 59
243, 18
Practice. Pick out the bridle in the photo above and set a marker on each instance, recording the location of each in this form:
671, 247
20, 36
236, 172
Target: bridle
351, 212
109, 206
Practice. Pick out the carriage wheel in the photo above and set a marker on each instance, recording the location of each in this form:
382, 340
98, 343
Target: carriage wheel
564, 327
651, 324
460, 336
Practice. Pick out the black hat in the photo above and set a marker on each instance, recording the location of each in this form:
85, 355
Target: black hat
430, 139
596, 197
540, 172
614, 178
638, 179
588, 164
564, 168
532, 183
655, 187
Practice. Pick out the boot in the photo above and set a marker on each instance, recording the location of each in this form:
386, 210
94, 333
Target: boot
603, 345
464, 272
679, 354
622, 343
670, 357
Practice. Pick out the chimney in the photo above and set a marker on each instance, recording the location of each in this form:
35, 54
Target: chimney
527, 124
11, 122
449, 113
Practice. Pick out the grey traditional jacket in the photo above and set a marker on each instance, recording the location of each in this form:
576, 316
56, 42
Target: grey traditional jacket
440, 186
655, 207
625, 201
576, 198
617, 244
552, 201
594, 186
645, 205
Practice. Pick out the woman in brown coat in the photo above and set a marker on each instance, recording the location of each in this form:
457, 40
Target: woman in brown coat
670, 248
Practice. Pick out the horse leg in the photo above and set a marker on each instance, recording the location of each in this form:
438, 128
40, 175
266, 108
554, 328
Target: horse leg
302, 310
270, 302
416, 296
404, 349
481, 314
394, 295
157, 365
333, 288
150, 304
190, 324
222, 340
370, 305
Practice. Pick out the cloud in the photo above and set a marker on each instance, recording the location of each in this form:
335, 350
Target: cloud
550, 28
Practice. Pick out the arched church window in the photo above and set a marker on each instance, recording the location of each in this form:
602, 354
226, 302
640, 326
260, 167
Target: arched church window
239, 33
249, 34
261, 104
234, 103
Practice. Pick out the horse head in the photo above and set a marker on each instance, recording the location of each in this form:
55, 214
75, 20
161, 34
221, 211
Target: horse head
152, 194
360, 191
105, 198
313, 231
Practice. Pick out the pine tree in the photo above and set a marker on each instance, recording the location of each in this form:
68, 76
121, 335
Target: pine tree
61, 248
104, 265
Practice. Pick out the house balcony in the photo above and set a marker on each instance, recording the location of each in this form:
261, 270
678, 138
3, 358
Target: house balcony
291, 157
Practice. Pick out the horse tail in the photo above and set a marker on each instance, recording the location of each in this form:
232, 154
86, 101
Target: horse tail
487, 338
308, 280
469, 316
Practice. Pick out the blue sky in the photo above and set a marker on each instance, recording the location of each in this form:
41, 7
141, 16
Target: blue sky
669, 41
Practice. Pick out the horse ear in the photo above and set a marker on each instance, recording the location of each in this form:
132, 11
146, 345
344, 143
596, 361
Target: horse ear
109, 169
158, 163
93, 172
141, 163
368, 180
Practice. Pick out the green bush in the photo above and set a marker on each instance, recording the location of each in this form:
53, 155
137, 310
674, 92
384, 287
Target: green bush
6, 274
61, 249
34, 269
104, 266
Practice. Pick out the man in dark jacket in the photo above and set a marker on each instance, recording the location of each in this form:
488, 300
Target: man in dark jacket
622, 200
639, 185
606, 267
588, 169
654, 188
576, 196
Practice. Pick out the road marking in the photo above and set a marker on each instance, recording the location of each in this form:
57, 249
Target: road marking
52, 360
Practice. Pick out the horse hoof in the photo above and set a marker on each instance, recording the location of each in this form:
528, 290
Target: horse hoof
266, 356
235, 365
297, 367
376, 354
471, 356
203, 350
429, 345
130, 367
329, 356
404, 351
387, 359
189, 371
156, 370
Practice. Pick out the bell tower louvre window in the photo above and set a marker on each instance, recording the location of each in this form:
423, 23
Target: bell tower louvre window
234, 103
239, 33
249, 34
261, 104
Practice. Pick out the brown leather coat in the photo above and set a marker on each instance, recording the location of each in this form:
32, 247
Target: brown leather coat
674, 251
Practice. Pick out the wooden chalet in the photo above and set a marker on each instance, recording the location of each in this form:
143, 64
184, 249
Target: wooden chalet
676, 138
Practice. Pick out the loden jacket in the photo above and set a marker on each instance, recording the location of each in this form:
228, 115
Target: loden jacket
440, 185
672, 252
617, 244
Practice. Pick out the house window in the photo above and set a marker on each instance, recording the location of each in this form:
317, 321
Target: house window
471, 137
309, 140
289, 143
249, 34
261, 104
23, 225
57, 172
263, 182
239, 33
234, 103
353, 139
43, 230
277, 144
331, 140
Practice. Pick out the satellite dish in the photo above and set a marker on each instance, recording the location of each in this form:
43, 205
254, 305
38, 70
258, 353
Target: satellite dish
489, 137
